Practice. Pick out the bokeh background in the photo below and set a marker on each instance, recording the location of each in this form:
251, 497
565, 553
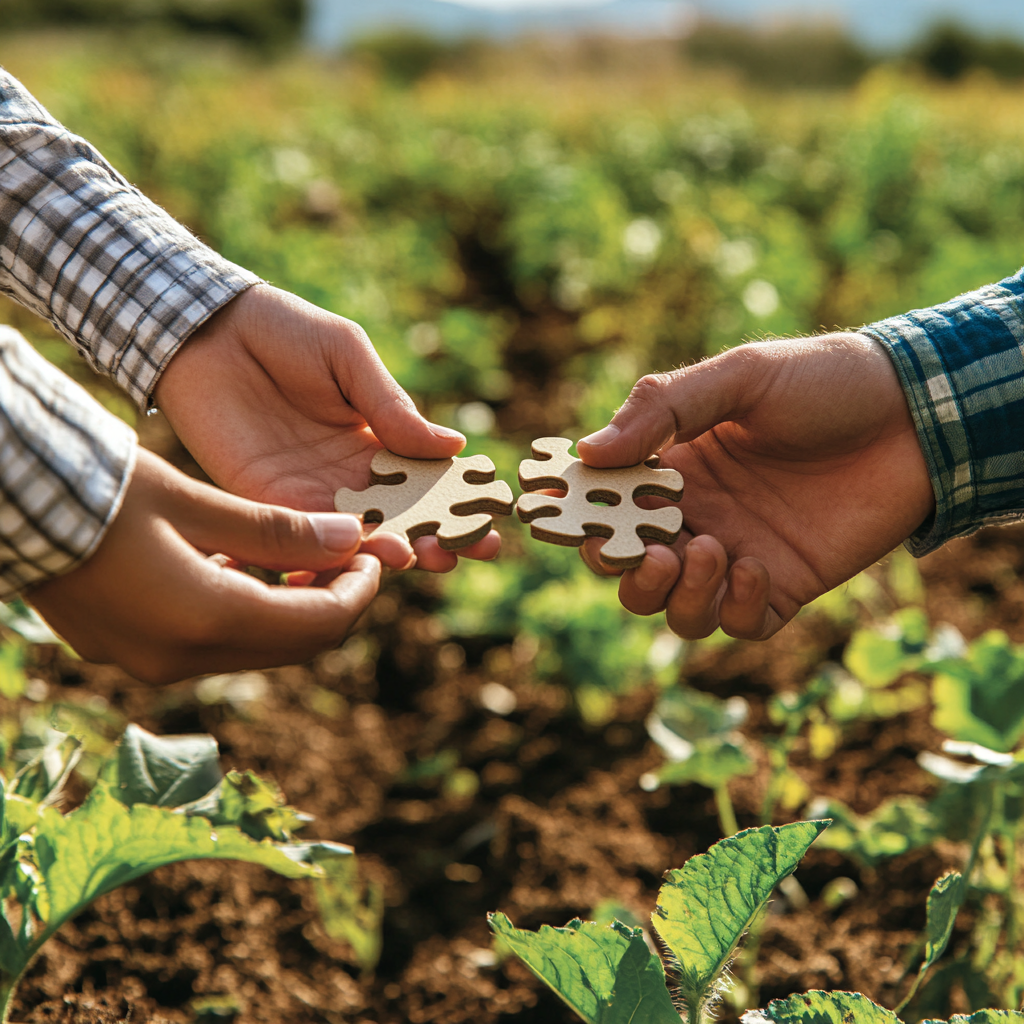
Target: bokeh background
528, 207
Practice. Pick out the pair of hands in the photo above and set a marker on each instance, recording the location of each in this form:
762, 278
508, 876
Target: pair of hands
800, 461
282, 404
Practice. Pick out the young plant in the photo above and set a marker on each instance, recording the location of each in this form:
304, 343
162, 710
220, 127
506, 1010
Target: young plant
697, 733
608, 975
157, 801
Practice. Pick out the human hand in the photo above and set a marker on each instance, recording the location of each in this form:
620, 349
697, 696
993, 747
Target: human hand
282, 402
801, 466
163, 598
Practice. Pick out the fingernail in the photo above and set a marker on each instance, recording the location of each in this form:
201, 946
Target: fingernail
742, 586
336, 532
602, 436
446, 433
698, 570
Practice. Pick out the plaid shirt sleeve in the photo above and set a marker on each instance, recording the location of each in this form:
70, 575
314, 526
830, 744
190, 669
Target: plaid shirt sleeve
65, 463
126, 285
122, 280
961, 365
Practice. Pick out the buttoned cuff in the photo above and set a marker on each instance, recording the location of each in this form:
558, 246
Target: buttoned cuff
962, 370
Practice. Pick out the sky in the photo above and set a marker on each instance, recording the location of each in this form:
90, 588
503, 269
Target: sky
880, 24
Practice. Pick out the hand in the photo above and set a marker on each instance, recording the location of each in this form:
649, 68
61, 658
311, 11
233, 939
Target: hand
282, 402
801, 466
163, 598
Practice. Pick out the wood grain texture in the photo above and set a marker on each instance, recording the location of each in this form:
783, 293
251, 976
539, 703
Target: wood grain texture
569, 520
455, 499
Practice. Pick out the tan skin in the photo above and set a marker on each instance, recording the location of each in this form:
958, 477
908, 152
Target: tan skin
163, 597
281, 403
801, 467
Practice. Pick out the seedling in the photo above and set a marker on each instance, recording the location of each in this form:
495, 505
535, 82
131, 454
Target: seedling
608, 975
158, 801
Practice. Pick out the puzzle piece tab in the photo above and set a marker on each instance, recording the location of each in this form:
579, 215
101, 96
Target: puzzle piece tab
569, 520
452, 498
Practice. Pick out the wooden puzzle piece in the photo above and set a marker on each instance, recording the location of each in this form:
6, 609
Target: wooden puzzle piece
452, 498
569, 520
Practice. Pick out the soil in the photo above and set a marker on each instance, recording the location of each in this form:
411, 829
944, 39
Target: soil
558, 825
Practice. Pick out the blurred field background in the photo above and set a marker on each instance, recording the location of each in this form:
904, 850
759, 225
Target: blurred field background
524, 228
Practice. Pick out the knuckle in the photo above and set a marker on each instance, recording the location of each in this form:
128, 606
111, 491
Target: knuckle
279, 532
652, 389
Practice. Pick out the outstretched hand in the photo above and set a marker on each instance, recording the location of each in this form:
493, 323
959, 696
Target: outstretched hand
282, 402
163, 597
801, 467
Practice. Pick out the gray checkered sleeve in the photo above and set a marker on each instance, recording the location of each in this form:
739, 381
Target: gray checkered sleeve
64, 465
126, 285
116, 275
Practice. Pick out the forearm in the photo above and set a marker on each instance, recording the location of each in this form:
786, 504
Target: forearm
962, 369
64, 465
115, 274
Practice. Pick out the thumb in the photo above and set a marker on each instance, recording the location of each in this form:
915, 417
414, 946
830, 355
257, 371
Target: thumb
391, 413
677, 406
269, 536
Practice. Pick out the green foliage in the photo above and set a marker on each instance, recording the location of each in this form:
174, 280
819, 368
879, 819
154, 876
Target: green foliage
605, 973
351, 908
816, 1007
697, 733
705, 907
141, 814
880, 654
979, 697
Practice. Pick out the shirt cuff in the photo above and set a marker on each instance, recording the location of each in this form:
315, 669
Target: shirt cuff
65, 464
123, 281
961, 366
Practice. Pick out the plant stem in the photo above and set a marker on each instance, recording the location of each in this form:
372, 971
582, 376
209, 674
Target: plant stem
726, 814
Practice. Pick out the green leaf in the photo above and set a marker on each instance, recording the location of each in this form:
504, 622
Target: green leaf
697, 734
880, 654
979, 697
943, 903
983, 1017
12, 669
104, 844
705, 907
257, 806
605, 973
894, 827
27, 623
165, 771
816, 1007
351, 908
711, 765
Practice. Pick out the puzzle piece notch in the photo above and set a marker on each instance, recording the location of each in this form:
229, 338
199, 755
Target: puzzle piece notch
621, 521
454, 499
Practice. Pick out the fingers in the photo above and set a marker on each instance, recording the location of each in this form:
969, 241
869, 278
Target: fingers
691, 610
643, 590
390, 412
702, 593
681, 405
745, 612
431, 557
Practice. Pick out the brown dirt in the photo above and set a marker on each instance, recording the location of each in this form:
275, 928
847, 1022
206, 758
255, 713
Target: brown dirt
558, 825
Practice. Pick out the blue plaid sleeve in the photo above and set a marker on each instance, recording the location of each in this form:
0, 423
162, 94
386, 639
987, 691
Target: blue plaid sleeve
961, 365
